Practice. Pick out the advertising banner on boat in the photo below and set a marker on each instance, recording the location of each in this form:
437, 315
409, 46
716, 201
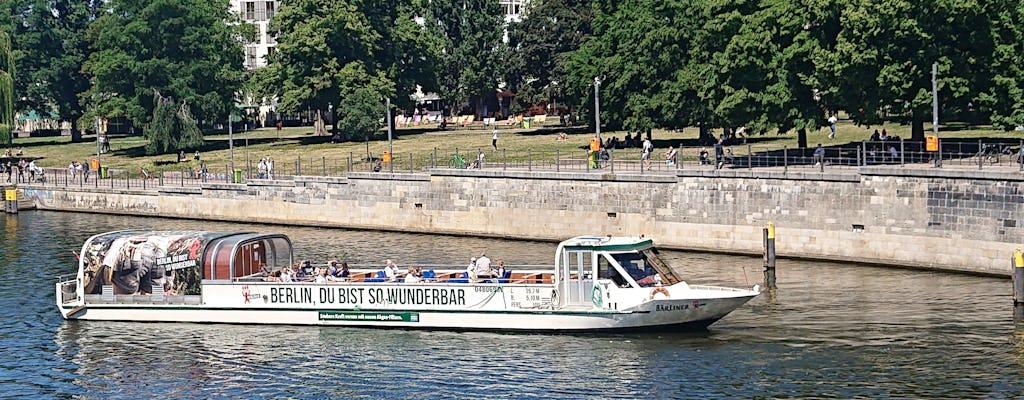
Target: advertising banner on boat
144, 262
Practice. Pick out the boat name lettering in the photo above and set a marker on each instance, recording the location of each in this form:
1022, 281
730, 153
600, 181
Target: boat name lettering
671, 307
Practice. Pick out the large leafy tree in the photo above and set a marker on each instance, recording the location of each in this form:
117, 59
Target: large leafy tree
1005, 98
766, 77
329, 50
885, 51
187, 50
51, 37
641, 52
542, 45
6, 89
470, 32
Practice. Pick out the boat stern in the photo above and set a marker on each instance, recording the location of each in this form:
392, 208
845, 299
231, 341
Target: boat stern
67, 297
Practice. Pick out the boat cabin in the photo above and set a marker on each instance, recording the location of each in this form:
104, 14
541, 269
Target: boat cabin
175, 263
608, 262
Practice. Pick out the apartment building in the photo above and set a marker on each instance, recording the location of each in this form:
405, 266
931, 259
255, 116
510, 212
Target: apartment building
258, 13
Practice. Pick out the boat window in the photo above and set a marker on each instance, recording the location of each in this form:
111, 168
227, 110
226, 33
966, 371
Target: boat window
644, 266
605, 270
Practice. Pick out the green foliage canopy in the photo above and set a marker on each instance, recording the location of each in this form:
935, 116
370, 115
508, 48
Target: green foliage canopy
187, 50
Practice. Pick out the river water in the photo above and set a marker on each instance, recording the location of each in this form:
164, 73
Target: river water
833, 331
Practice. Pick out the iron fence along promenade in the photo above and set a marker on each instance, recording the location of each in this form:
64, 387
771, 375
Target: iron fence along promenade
1001, 156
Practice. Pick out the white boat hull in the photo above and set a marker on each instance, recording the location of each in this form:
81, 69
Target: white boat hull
681, 313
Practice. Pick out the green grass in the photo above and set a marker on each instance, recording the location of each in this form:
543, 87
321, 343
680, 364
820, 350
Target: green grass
291, 144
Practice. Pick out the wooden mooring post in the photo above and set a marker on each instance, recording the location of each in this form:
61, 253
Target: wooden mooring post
769, 257
1017, 263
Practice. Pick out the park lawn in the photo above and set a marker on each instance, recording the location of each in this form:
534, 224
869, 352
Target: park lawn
413, 147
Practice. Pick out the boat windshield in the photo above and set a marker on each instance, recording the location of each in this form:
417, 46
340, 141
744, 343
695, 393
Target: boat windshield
647, 268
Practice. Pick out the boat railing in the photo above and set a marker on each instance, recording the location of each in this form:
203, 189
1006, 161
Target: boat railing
66, 277
447, 275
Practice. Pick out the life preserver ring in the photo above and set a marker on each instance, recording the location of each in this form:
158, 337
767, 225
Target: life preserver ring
659, 290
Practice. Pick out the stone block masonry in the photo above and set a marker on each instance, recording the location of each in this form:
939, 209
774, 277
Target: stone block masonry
965, 221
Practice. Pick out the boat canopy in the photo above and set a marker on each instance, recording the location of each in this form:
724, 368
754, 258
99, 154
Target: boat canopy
141, 262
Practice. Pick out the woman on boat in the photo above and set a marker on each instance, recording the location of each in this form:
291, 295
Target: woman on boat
412, 276
343, 273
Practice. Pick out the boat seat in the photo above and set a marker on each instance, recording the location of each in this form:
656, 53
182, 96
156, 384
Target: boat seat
464, 278
504, 278
429, 275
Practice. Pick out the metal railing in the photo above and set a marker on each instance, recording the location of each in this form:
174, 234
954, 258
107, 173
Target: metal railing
894, 153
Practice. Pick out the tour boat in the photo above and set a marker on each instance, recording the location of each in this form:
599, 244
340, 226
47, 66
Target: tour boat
595, 284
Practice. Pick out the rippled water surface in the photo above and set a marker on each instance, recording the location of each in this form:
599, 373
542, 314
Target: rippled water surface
833, 331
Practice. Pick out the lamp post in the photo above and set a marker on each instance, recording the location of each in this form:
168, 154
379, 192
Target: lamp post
231, 146
597, 107
98, 146
391, 150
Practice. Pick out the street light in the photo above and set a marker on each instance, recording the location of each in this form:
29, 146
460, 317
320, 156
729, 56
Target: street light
391, 149
597, 107
231, 146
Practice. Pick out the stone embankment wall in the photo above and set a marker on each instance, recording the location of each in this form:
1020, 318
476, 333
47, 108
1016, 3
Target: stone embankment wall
929, 218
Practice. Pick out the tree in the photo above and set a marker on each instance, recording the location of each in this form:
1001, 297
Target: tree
767, 73
187, 50
542, 45
471, 43
172, 127
641, 51
885, 51
51, 36
6, 90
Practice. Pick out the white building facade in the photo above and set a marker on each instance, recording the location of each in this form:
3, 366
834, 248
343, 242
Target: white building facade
258, 13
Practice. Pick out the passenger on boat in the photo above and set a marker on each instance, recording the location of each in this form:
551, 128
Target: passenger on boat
483, 267
274, 277
323, 277
343, 273
471, 269
332, 267
390, 270
413, 276
501, 270
286, 275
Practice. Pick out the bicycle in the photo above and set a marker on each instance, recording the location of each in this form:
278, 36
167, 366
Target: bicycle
992, 152
456, 162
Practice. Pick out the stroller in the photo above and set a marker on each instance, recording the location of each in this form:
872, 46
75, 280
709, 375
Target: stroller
38, 175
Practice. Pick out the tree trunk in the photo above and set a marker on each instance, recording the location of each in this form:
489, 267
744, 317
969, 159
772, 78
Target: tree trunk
801, 138
917, 127
705, 135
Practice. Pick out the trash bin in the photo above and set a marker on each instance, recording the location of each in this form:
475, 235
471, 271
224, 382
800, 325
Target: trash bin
103, 172
237, 176
526, 123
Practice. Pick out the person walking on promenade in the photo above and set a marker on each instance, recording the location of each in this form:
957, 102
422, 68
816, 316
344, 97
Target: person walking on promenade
832, 126
494, 139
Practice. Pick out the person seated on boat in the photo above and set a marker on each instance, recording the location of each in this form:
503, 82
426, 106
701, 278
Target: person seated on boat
273, 277
324, 277
413, 276
483, 267
471, 269
343, 272
390, 271
332, 268
286, 274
